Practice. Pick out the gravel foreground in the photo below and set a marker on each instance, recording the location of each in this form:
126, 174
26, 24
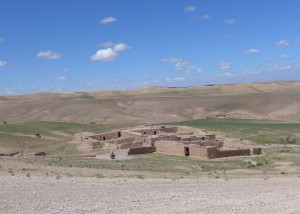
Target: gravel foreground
91, 195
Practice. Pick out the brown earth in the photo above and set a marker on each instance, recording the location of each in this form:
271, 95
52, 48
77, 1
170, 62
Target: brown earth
92, 195
273, 100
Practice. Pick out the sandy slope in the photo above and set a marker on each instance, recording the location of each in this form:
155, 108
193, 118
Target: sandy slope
91, 195
275, 100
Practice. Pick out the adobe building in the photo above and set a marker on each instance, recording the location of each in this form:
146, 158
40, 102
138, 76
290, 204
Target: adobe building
178, 140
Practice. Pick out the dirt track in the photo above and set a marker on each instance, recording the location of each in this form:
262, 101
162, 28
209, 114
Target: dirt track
92, 195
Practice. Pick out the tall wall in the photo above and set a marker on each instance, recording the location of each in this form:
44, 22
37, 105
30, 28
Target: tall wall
131, 134
172, 129
198, 151
149, 131
91, 143
125, 140
215, 143
141, 150
228, 153
108, 135
77, 137
172, 147
212, 152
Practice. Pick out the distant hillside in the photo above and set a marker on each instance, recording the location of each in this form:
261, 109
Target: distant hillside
273, 100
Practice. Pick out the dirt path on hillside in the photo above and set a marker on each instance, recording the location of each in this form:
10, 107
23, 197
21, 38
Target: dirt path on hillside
91, 195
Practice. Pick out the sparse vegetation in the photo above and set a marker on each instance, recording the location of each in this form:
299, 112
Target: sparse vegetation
27, 135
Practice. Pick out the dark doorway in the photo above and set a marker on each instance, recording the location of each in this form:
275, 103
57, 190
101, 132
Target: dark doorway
119, 134
154, 132
103, 138
186, 151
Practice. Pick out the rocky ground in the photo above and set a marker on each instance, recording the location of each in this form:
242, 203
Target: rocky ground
20, 194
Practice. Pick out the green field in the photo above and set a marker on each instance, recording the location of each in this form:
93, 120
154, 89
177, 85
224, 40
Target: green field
55, 137
259, 131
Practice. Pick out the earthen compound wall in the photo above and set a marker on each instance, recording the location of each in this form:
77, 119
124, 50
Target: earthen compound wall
107, 136
174, 140
91, 143
253, 150
173, 129
141, 150
235, 152
172, 147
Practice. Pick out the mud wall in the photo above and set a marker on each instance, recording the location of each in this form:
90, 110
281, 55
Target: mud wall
77, 137
125, 140
172, 129
131, 134
171, 147
91, 143
253, 150
147, 131
256, 150
141, 150
215, 143
198, 151
228, 153
108, 135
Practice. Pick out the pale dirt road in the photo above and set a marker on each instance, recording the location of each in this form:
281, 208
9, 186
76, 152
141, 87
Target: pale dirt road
91, 195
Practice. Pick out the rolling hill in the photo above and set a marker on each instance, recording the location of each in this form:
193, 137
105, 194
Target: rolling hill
272, 100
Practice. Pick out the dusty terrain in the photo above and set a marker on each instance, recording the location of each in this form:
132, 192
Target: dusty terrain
269, 183
92, 195
274, 100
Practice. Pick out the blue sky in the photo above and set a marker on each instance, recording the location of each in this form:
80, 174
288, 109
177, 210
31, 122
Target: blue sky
67, 45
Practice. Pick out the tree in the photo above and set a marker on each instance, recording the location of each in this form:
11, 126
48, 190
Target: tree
289, 139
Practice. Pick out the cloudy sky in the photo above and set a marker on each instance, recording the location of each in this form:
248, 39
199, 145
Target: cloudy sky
67, 45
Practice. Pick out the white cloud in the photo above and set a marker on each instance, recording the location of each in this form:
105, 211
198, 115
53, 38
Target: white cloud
229, 21
61, 78
107, 20
223, 64
109, 54
190, 8
283, 43
251, 51
104, 55
2, 63
1, 39
48, 55
120, 47
204, 17
182, 64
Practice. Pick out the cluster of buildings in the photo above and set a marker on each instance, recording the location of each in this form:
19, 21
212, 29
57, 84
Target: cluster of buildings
178, 140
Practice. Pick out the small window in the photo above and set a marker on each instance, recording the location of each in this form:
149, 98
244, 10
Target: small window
119, 134
154, 132
103, 138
